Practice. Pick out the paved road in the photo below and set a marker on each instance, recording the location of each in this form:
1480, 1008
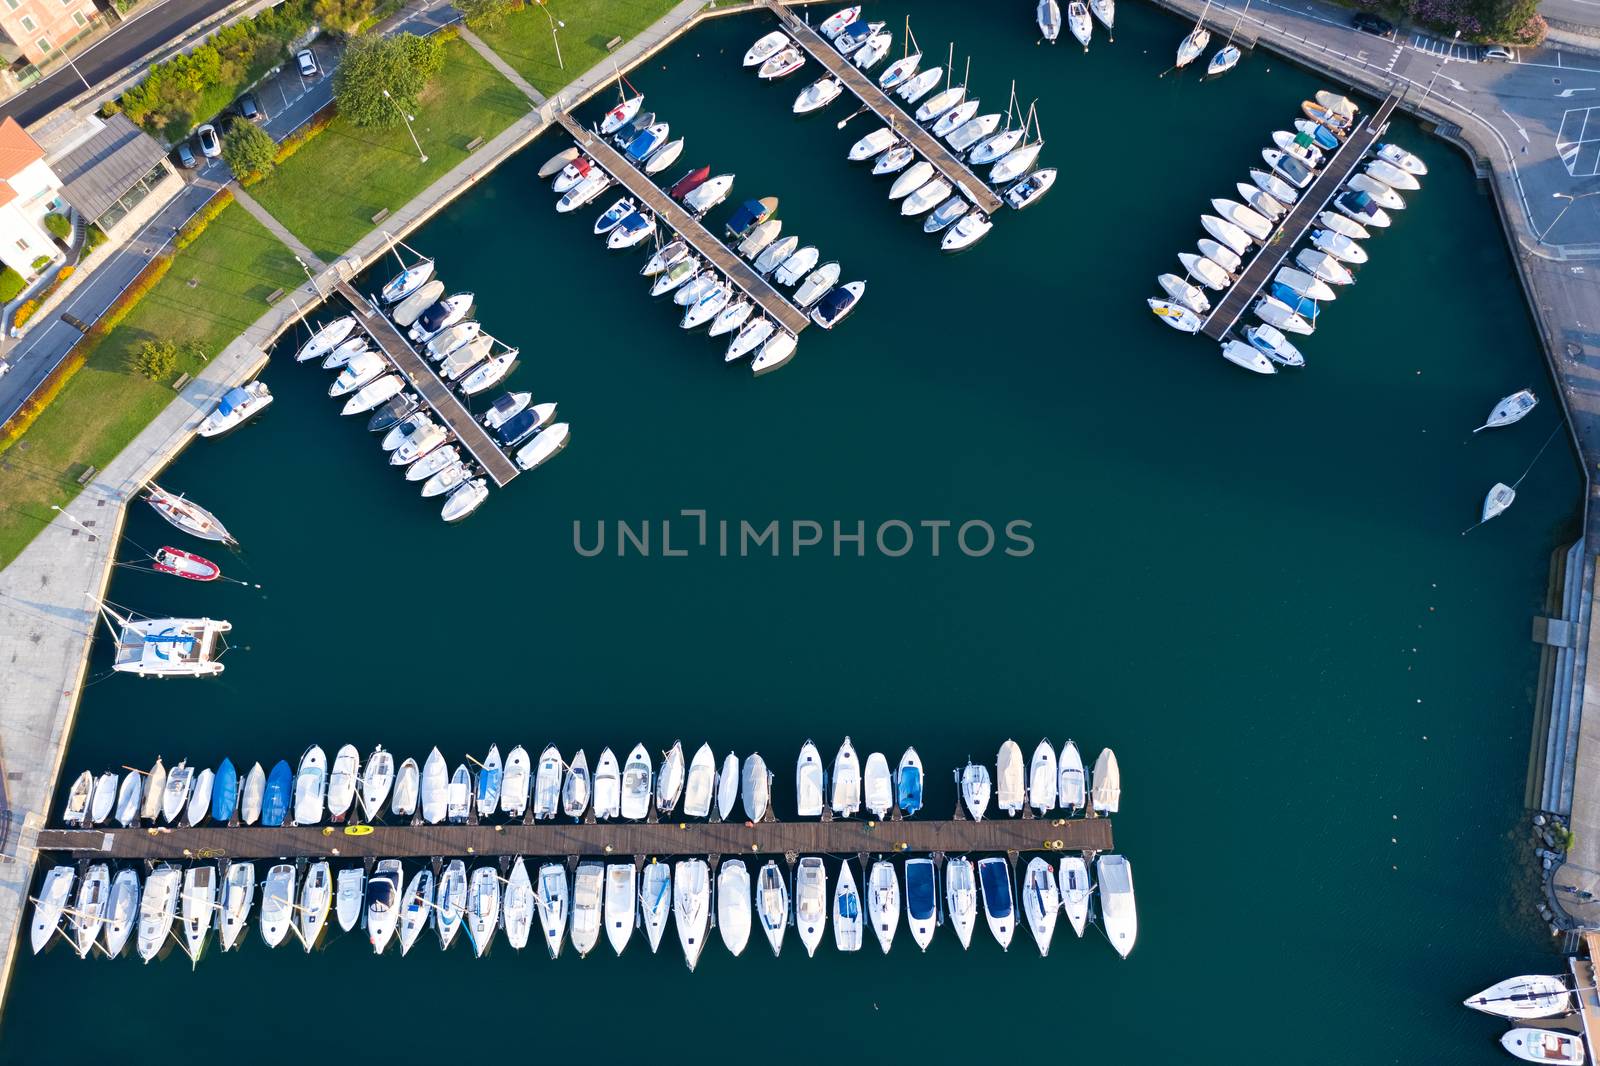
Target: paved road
1577, 12
147, 28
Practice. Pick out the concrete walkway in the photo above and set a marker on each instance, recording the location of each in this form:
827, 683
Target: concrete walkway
278, 229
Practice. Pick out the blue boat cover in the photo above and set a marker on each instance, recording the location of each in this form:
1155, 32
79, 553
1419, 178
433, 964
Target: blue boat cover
430, 320
745, 217
1324, 138
224, 792
909, 793
856, 28
996, 877
920, 889
1300, 305
517, 427
275, 801
488, 784
231, 399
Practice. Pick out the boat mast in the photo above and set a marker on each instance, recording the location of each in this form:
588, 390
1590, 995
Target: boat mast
949, 64
1236, 23
1011, 104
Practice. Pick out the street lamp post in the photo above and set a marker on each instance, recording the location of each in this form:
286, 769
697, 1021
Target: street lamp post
1570, 199
554, 24
422, 157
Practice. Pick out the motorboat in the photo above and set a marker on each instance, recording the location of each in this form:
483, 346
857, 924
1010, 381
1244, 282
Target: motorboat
883, 901
482, 916
173, 803
782, 64
1362, 208
1510, 410
440, 458
446, 481
1381, 194
621, 115
845, 796
573, 173
772, 905
1185, 293
121, 912
238, 897
1248, 358
525, 423
277, 795
940, 102
517, 905
878, 790
975, 789
835, 24
575, 789
406, 282
1079, 23
1261, 202
955, 118
326, 339
664, 257
655, 901
1048, 16
1275, 312
961, 898
607, 787
277, 904
359, 371
372, 394
586, 886
873, 50
458, 338
1177, 316
758, 238
731, 317
922, 900
631, 231
621, 903
775, 254
1011, 791
1396, 156
894, 160
669, 779
416, 908
1117, 912
349, 896
463, 500
808, 781
1325, 139
407, 788
104, 798
1226, 232
1303, 306
925, 198
766, 48
316, 898
614, 214
1337, 103
996, 146
1300, 146
158, 908
727, 786
406, 429
342, 782
750, 335
1073, 883
689, 182
750, 214
547, 784
435, 788
1274, 187
913, 89
392, 411
999, 903
877, 142
1339, 246
1324, 267
810, 902
1339, 223
440, 317
1245, 218
187, 565
700, 783
187, 515
199, 805
252, 794
490, 372
450, 902
1305, 284
818, 282
908, 783
842, 299
1226, 59
1393, 176
817, 95
664, 156
733, 905
755, 787
1043, 780
1543, 1045
1205, 271
1500, 497
647, 141
593, 184
1191, 47
550, 897
691, 906
236, 405
310, 787
225, 793
637, 775
1270, 342
856, 35
901, 69
706, 306
458, 805
797, 266
778, 350
1287, 167
129, 795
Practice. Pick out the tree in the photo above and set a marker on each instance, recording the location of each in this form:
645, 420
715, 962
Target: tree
155, 360
248, 149
11, 285
486, 14
59, 225
346, 16
379, 79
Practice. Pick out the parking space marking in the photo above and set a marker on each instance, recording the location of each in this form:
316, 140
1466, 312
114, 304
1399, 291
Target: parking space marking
1579, 151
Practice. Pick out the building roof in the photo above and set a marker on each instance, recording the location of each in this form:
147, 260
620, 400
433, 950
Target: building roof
96, 173
17, 149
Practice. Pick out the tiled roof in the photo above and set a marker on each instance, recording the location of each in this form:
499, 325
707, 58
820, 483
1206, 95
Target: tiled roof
17, 149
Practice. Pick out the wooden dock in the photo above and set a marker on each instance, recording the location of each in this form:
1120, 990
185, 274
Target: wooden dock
432, 388
929, 147
671, 214
1336, 170
839, 836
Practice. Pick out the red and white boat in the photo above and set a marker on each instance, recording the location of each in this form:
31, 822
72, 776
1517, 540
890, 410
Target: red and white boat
170, 560
620, 115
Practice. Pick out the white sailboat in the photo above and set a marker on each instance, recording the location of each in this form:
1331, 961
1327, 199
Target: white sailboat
883, 902
733, 905
547, 784
277, 904
669, 779
516, 782
482, 915
1073, 881
1041, 899
377, 779
772, 904
416, 908
1190, 47
517, 905
158, 908
691, 907
810, 902
975, 789
847, 917
961, 898
238, 896
316, 898
551, 899
1511, 409
450, 902
655, 901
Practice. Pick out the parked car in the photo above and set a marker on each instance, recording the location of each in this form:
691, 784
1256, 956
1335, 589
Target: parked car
5, 368
185, 156
1504, 55
210, 143
1376, 25
308, 63
249, 109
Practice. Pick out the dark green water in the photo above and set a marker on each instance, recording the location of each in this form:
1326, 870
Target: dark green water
1256, 590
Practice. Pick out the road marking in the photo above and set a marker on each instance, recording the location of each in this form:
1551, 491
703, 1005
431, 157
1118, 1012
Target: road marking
1566, 94
1515, 123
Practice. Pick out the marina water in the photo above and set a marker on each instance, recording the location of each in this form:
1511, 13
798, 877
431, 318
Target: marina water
1256, 590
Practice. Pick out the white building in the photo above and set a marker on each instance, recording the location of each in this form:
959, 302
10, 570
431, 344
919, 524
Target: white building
29, 190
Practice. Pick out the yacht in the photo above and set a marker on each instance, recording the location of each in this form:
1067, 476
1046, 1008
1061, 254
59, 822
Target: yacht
482, 916
518, 905
435, 788
383, 903
1513, 408
772, 904
810, 902
655, 901
691, 906
1117, 913
450, 903
237, 405
1274, 187
1043, 778
1394, 155
968, 230
416, 908
377, 779
766, 48
607, 787
733, 905
755, 787
463, 500
547, 784
975, 789
636, 779
908, 783
1011, 793
440, 317
238, 896
573, 173
999, 905
326, 339
818, 282
883, 902
349, 893
878, 791
1270, 342
586, 885
316, 898
491, 778
407, 785
613, 215
158, 908
490, 372
506, 407
1361, 207
1261, 202
575, 789
846, 911
551, 898
121, 912
1344, 225
621, 903
1075, 889
961, 897
842, 299
310, 787
808, 782
277, 904
727, 787
856, 35
592, 184
922, 900
1287, 167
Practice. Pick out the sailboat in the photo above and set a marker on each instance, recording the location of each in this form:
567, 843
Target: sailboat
1195, 43
547, 784
1048, 16
669, 780
655, 901
1106, 12
772, 904
377, 778
1228, 57
1499, 498
515, 781
960, 897
1513, 408
847, 909
810, 902
416, 908
883, 902
187, 515
483, 908
586, 885
517, 905
1041, 899
691, 906
1079, 23
551, 898
450, 903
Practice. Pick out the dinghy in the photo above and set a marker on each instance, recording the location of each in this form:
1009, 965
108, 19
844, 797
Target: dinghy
691, 906
922, 900
158, 908
878, 786
810, 902
792, 269
277, 904
1175, 315
999, 906
708, 195
772, 905
556, 162
316, 897
416, 908
847, 910
547, 784
1117, 912
727, 787
808, 782
1324, 138
1075, 891
733, 905
238, 896
482, 915
961, 898
1346, 226
637, 775
1512, 409
607, 787
883, 902
1287, 167
575, 790
845, 796
1299, 146
372, 394
946, 213
655, 901
551, 899
517, 905
911, 180
586, 887
1261, 202
925, 198
758, 239
350, 890
81, 796
407, 787
755, 787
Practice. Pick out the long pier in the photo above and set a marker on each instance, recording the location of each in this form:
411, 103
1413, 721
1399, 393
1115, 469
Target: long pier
432, 388
671, 214
1335, 171
839, 836
906, 126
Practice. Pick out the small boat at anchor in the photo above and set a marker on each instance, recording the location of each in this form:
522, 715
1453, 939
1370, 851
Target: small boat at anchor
1511, 409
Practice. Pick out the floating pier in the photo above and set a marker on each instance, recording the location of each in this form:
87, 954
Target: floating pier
431, 387
838, 836
1241, 295
672, 215
926, 145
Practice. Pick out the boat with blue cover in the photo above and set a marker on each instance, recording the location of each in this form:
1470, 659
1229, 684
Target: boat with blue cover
908, 783
224, 792
275, 801
751, 214
994, 878
1303, 306
1319, 133
922, 900
647, 141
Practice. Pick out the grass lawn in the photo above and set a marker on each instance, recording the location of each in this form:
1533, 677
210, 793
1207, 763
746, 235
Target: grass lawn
105, 405
328, 191
523, 39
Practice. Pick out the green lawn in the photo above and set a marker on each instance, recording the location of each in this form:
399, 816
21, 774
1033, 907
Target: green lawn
523, 39
328, 191
237, 264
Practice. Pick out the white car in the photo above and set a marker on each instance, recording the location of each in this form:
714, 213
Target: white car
1505, 55
5, 368
210, 144
308, 63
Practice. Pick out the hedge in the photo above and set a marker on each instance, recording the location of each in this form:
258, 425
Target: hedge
296, 141
54, 382
31, 307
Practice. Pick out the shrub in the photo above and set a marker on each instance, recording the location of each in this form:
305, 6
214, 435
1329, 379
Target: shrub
11, 285
156, 360
399, 66
93, 237
202, 218
248, 149
345, 16
297, 140
42, 262
31, 307
60, 226
485, 14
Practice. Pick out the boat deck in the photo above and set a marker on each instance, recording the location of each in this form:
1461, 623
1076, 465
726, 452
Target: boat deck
672, 215
839, 836
432, 388
1240, 297
929, 147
